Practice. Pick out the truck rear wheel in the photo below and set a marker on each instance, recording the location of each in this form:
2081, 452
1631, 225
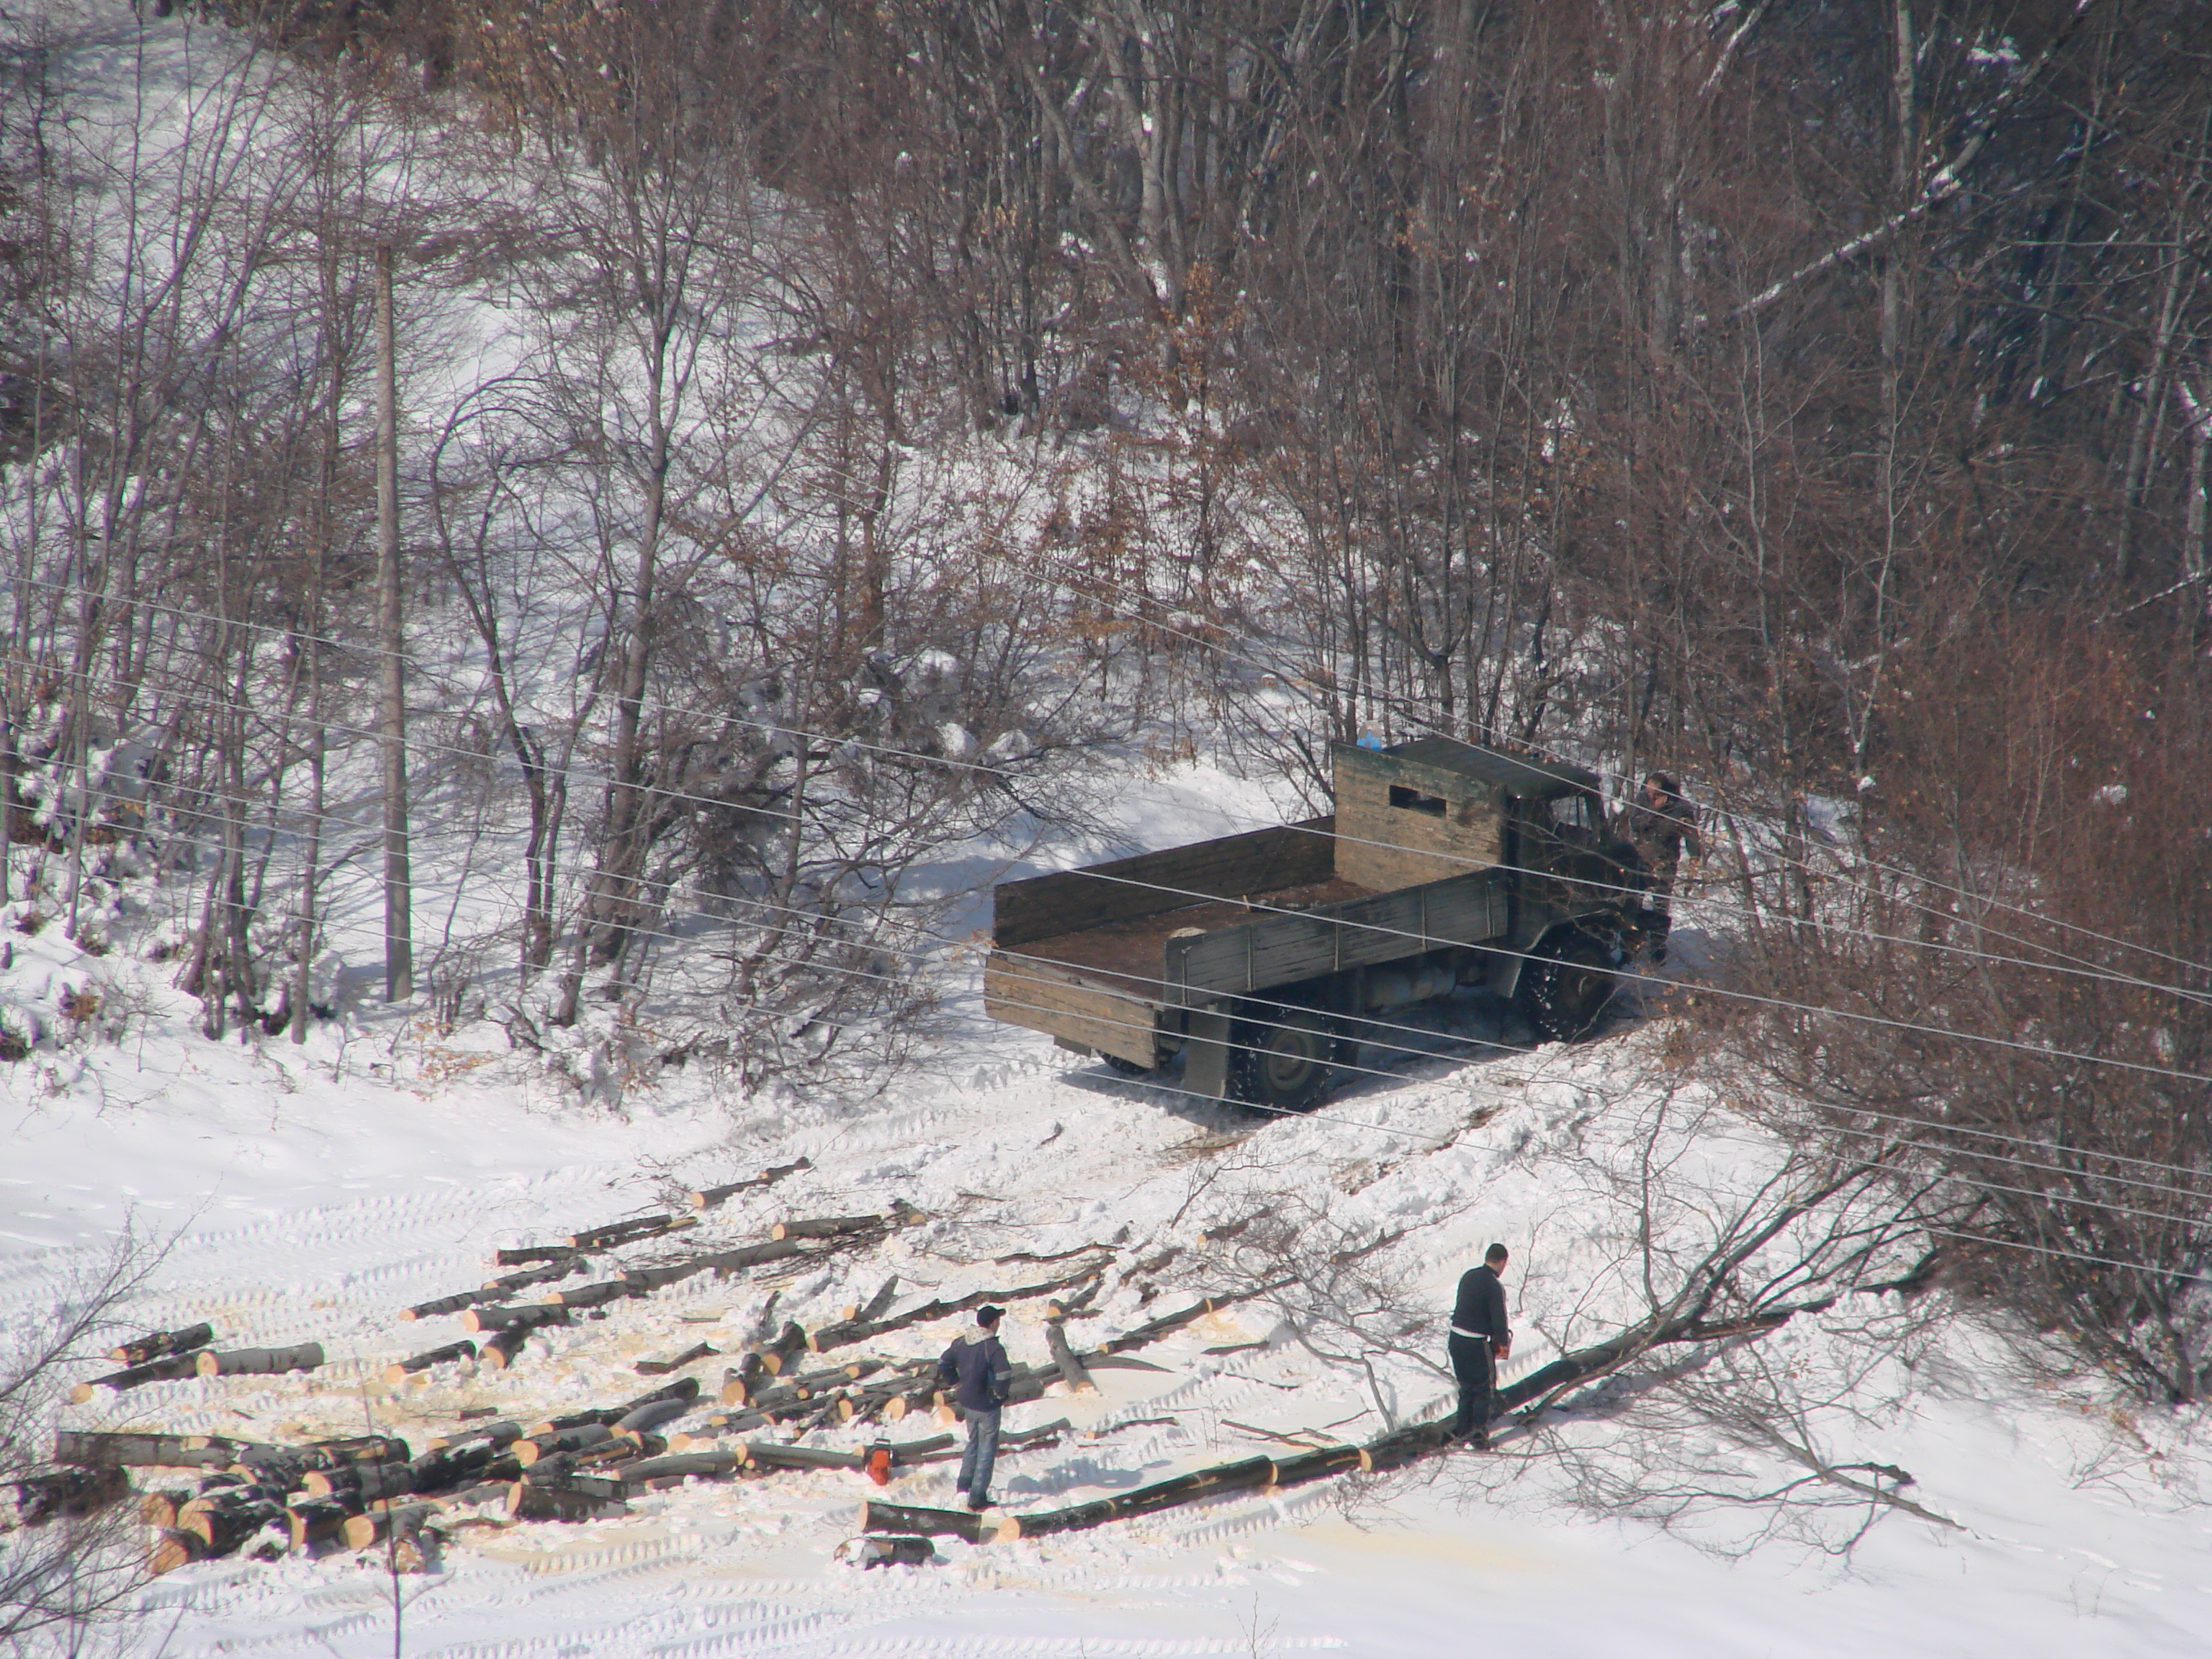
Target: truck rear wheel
1287, 1064
1568, 984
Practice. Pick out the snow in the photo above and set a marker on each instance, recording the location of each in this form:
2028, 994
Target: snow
312, 1191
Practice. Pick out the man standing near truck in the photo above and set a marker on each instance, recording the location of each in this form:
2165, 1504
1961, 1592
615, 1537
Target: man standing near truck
1480, 1339
1660, 825
979, 1376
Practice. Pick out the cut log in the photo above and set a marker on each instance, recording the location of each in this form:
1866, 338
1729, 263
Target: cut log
650, 1415
156, 1345
98, 1450
1240, 1476
777, 1355
1314, 1465
831, 1226
725, 1262
524, 1254
583, 1434
174, 1548
165, 1368
319, 1520
683, 1464
772, 1455
527, 1502
707, 1197
905, 1518
159, 1509
893, 1550
629, 1233
397, 1524
449, 1304
551, 1273
595, 1295
32, 1500
503, 1433
1071, 1368
643, 1279
739, 1385
224, 1521
604, 1487
504, 1348
288, 1466
400, 1370
262, 1361
495, 1317
676, 1362
879, 1304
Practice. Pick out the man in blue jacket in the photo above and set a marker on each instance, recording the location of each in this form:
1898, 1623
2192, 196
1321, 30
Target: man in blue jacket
1479, 1341
977, 1371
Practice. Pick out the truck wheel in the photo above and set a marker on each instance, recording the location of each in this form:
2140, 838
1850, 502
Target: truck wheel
1126, 1067
1285, 1065
1565, 989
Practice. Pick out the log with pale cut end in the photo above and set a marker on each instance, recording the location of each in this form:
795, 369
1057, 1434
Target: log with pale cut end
551, 1273
591, 1296
159, 1509
504, 1349
741, 1384
1317, 1464
318, 1520
175, 1547
523, 1254
226, 1520
607, 1488
458, 1302
643, 1280
907, 1518
262, 1361
829, 1227
494, 1316
399, 1371
165, 1368
397, 1524
706, 1198
576, 1439
629, 1233
288, 1466
726, 1263
104, 1450
33, 1499
777, 1355
157, 1345
684, 1390
1071, 1368
528, 1502
775, 1457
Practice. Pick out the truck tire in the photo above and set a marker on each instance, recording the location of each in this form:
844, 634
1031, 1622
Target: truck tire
1284, 1064
1568, 983
1127, 1067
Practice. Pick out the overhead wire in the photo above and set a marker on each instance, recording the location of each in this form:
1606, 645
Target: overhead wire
1429, 941
2069, 964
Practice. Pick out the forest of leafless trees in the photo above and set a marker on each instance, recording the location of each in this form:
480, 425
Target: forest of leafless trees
823, 431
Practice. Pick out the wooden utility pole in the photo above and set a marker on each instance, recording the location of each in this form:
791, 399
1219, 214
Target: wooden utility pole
398, 884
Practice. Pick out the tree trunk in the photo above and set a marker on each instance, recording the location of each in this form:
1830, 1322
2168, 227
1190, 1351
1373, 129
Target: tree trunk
398, 884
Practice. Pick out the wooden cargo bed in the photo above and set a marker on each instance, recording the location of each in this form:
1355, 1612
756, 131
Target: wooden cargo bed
1131, 954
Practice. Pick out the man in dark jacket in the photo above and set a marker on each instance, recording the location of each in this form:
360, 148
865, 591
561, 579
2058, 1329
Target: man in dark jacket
977, 1371
1661, 826
1479, 1341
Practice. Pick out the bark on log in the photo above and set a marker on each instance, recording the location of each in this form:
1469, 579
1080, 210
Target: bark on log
224, 1521
551, 1273
651, 1416
595, 1295
773, 1456
1315, 1465
629, 1233
449, 1304
905, 1518
526, 1501
157, 1345
505, 1432
318, 1520
829, 1226
705, 1464
1071, 1368
505, 1348
707, 1197
175, 1548
1241, 1475
583, 1434
262, 1361
776, 1356
740, 1384
165, 1368
676, 1362
604, 1487
683, 1389
524, 1254
95, 1449
358, 1531
400, 1370
725, 1262
507, 1318
32, 1500
288, 1466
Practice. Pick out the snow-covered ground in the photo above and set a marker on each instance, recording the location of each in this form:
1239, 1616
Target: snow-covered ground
311, 1192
